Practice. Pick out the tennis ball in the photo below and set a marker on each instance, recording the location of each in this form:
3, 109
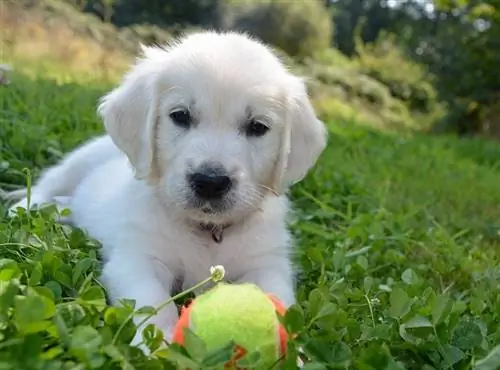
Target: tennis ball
242, 313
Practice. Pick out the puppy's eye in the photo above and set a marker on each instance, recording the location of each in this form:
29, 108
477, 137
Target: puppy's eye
256, 128
181, 117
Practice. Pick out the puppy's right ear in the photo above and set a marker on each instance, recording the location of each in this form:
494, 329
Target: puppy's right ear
129, 113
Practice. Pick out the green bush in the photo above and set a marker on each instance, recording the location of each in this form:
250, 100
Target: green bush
300, 28
150, 34
347, 93
407, 81
332, 57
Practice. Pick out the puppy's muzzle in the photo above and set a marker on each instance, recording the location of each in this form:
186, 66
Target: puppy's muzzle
210, 181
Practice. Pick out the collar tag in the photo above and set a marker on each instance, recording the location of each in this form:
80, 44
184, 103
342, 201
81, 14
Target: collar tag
217, 235
216, 231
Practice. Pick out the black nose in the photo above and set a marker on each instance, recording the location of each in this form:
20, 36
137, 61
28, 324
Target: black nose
210, 184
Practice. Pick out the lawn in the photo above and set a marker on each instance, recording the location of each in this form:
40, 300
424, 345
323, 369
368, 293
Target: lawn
398, 252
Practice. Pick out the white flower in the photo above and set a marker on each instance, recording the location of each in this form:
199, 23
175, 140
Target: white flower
217, 273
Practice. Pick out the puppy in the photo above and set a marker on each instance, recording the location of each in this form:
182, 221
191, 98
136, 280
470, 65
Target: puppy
204, 136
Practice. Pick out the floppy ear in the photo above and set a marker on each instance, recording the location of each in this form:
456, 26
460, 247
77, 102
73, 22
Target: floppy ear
129, 113
307, 136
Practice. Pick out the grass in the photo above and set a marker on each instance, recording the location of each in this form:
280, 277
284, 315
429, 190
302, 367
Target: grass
398, 251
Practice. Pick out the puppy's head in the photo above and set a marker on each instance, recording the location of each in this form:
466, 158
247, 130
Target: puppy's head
216, 123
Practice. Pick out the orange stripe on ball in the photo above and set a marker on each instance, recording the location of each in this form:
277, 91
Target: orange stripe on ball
182, 323
283, 335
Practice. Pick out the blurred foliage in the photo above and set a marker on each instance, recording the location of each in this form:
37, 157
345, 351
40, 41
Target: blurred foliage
300, 28
420, 64
160, 12
457, 41
407, 81
467, 66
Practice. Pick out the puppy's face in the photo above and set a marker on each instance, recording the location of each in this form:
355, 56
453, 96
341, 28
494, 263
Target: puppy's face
206, 122
218, 140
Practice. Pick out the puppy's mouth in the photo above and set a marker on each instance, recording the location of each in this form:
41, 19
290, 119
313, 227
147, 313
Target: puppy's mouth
213, 208
209, 209
229, 208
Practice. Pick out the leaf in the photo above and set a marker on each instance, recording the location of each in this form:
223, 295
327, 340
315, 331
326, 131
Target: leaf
153, 337
490, 362
441, 307
482, 10
467, 335
452, 355
477, 305
86, 344
380, 331
52, 353
127, 303
368, 284
85, 337
55, 287
174, 354
194, 345
36, 274
294, 319
62, 278
362, 262
327, 310
400, 303
377, 356
32, 312
8, 293
316, 302
65, 212
81, 268
414, 324
314, 366
319, 306
315, 254
418, 322
407, 336
409, 277
115, 315
220, 356
32, 346
113, 352
94, 296
8, 270
249, 361
146, 310
61, 329
341, 353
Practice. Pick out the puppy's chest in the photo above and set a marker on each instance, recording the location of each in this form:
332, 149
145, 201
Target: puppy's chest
204, 252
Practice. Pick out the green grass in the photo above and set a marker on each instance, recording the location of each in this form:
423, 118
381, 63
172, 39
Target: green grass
398, 247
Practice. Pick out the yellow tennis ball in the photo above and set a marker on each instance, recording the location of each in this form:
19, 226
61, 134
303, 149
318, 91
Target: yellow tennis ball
242, 313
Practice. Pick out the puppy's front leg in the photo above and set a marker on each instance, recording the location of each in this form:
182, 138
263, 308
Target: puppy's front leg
131, 275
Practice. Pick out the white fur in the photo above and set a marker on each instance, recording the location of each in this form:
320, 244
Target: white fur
136, 204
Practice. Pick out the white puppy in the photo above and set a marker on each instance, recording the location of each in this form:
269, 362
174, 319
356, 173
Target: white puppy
204, 136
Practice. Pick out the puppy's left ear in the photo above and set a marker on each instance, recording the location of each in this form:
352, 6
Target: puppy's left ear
308, 135
129, 113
